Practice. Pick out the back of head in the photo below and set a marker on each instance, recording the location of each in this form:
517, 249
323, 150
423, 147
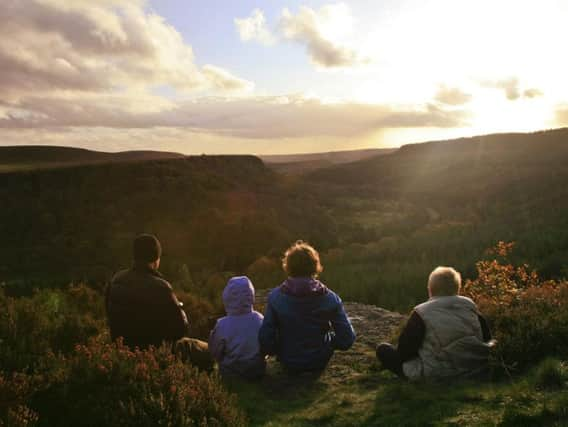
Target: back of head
302, 260
444, 281
146, 249
238, 296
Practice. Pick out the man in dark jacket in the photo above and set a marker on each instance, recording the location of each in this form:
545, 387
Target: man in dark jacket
143, 310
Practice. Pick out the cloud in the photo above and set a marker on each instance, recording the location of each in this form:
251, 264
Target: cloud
562, 115
254, 28
270, 117
532, 93
96, 46
317, 30
452, 96
222, 79
511, 88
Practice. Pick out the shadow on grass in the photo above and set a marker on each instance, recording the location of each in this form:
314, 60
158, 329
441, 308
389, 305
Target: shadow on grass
278, 396
400, 403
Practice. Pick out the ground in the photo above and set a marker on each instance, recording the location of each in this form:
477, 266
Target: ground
354, 392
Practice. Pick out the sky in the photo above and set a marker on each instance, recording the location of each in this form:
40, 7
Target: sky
277, 76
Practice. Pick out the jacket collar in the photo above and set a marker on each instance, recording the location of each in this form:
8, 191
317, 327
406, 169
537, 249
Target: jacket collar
145, 269
303, 287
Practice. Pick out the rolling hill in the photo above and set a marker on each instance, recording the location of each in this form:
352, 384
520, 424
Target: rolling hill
297, 164
13, 158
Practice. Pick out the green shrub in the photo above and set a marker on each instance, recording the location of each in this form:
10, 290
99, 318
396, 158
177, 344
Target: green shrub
550, 374
49, 320
103, 384
200, 312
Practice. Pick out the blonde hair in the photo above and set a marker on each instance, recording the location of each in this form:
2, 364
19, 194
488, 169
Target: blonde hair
444, 281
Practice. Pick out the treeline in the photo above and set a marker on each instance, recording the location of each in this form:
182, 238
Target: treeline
381, 224
213, 213
401, 214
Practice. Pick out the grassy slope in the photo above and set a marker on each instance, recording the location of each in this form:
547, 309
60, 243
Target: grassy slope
370, 398
353, 392
361, 395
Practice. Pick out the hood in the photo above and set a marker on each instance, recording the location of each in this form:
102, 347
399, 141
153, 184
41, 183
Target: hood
238, 296
303, 287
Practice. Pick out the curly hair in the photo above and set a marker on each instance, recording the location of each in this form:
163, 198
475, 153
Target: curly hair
301, 260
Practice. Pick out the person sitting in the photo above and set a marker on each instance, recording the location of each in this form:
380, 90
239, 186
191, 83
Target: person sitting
234, 340
143, 310
304, 321
444, 337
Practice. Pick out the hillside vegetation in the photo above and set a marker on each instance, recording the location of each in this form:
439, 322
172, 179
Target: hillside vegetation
382, 224
29, 157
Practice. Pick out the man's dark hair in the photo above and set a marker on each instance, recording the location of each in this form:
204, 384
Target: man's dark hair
146, 249
302, 260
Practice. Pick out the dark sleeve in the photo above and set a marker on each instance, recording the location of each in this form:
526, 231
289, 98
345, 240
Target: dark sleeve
484, 328
411, 337
107, 299
174, 319
344, 335
268, 332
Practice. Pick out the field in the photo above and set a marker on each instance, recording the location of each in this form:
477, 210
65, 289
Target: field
382, 224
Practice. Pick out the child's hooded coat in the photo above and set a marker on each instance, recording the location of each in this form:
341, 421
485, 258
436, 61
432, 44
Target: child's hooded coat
234, 340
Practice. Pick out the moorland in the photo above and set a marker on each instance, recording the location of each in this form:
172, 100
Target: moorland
382, 223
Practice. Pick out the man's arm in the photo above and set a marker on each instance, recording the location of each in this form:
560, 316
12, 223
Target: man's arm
411, 337
173, 318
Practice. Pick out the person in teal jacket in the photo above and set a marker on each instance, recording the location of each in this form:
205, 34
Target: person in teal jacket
304, 321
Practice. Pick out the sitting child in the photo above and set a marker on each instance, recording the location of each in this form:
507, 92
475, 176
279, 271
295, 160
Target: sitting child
445, 337
234, 340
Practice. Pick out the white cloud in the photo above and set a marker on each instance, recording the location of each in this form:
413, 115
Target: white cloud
561, 114
511, 87
532, 93
254, 28
99, 46
319, 31
223, 80
269, 117
452, 95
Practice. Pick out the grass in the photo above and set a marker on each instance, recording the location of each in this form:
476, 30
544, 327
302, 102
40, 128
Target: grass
363, 396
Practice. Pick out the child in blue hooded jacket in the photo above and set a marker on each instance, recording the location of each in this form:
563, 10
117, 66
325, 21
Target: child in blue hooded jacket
304, 321
234, 340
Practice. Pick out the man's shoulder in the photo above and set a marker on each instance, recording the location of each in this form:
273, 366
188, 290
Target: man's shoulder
120, 276
145, 278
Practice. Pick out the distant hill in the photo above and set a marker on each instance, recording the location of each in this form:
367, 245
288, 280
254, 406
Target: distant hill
461, 169
329, 156
13, 158
446, 201
294, 164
